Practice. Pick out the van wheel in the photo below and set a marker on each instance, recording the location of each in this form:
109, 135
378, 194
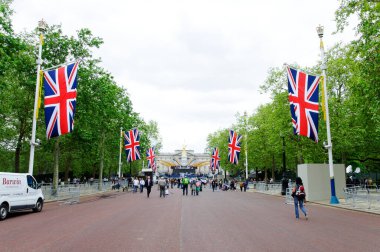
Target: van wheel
3, 211
39, 205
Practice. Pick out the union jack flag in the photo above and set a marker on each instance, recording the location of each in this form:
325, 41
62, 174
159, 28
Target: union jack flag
215, 159
150, 156
60, 87
234, 142
304, 97
132, 144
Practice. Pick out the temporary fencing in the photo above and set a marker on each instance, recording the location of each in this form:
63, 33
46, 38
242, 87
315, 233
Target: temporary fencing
288, 197
70, 193
361, 197
272, 188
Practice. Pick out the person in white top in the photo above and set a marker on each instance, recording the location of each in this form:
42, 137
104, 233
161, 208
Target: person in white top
142, 183
135, 184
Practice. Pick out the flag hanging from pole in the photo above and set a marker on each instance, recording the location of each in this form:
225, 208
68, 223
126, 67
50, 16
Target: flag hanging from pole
323, 98
60, 89
215, 159
234, 142
304, 98
150, 156
132, 144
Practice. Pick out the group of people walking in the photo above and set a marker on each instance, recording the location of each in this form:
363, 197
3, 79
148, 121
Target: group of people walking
140, 183
298, 191
195, 186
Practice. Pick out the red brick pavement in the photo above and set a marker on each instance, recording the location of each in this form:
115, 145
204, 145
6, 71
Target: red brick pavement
219, 221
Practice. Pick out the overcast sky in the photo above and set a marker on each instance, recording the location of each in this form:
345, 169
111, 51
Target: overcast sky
192, 65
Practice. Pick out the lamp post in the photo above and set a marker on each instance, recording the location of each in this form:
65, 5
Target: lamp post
333, 199
246, 144
42, 26
121, 147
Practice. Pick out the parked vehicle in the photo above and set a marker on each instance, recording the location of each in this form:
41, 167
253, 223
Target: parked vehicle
19, 192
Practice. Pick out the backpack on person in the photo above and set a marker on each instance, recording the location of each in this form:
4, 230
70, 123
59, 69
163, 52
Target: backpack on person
301, 193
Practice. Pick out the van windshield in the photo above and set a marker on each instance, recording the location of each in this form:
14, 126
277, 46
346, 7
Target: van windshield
31, 182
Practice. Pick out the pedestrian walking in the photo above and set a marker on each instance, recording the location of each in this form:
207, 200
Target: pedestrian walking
246, 184
198, 186
136, 184
192, 187
298, 194
142, 184
162, 186
213, 184
185, 185
148, 185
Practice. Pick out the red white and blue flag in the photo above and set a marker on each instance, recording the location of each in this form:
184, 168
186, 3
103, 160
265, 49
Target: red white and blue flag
234, 142
215, 159
60, 87
304, 107
132, 144
151, 157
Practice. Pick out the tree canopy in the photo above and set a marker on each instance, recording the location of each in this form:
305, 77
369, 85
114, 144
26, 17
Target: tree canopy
354, 98
103, 106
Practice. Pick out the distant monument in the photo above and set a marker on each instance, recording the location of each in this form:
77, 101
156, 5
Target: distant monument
184, 156
183, 162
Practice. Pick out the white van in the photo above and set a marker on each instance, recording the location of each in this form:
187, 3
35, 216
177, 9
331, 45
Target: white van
19, 192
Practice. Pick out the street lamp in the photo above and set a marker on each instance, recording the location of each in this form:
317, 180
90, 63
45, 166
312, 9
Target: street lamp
42, 27
246, 144
121, 147
333, 199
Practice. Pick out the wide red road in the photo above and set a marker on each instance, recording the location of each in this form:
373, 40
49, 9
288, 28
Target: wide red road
219, 221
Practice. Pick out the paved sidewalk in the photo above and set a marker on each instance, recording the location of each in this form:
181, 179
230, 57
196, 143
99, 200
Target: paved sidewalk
358, 206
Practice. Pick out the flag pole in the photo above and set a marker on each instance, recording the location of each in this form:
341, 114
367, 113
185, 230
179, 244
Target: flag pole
42, 26
121, 146
333, 199
246, 145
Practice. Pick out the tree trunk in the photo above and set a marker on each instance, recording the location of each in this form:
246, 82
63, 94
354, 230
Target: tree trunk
67, 168
94, 170
18, 153
273, 166
266, 175
101, 161
344, 158
56, 164
19, 146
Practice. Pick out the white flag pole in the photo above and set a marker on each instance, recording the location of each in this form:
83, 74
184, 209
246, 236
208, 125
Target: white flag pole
246, 144
42, 26
121, 146
333, 199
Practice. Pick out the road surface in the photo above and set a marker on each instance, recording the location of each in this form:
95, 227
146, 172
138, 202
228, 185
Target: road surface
212, 221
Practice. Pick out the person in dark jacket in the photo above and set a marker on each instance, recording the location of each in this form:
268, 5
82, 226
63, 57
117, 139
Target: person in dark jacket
148, 185
214, 185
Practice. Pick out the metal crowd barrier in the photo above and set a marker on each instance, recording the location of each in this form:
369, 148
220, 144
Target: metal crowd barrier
358, 196
274, 188
251, 185
288, 197
72, 192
